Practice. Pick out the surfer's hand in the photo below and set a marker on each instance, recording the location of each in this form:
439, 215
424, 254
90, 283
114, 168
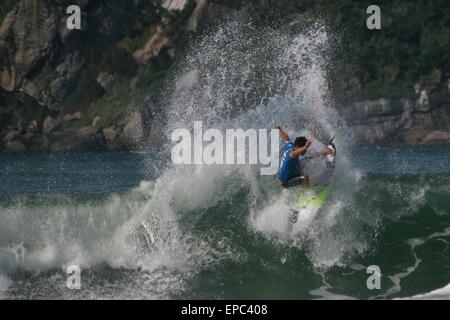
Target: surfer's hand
308, 143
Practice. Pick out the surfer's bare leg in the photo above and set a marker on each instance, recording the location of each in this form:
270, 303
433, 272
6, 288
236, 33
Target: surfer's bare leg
298, 181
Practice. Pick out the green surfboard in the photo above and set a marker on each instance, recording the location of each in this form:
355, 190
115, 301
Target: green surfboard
314, 196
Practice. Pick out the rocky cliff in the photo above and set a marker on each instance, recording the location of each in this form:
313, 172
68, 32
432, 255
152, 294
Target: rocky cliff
65, 90
424, 119
51, 76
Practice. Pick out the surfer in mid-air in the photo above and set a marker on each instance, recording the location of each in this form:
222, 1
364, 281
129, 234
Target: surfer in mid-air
290, 173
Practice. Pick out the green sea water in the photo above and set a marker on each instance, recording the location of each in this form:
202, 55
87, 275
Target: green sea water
215, 236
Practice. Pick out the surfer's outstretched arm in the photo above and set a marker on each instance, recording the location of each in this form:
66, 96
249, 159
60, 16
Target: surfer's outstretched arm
283, 135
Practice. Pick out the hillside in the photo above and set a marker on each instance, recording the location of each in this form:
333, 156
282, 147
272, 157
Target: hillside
100, 88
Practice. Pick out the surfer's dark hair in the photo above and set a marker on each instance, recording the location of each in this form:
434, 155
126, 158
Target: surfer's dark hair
300, 142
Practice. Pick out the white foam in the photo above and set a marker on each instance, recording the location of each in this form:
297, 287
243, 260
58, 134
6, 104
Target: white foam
273, 219
324, 294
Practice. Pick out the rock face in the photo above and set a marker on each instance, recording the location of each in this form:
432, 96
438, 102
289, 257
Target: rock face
40, 56
72, 117
16, 147
48, 124
64, 135
30, 30
133, 132
196, 16
106, 80
425, 120
113, 142
86, 138
157, 41
40, 145
437, 137
174, 5
423, 104
57, 68
65, 74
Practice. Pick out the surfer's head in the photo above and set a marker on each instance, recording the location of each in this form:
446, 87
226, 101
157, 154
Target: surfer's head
300, 142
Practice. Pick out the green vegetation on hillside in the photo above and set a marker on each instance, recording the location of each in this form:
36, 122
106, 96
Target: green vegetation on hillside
412, 46
86, 91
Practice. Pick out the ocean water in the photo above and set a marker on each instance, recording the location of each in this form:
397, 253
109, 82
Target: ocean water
97, 211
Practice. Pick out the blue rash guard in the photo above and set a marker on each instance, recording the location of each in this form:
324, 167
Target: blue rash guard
289, 166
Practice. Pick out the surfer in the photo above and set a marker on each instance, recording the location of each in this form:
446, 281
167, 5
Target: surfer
290, 173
